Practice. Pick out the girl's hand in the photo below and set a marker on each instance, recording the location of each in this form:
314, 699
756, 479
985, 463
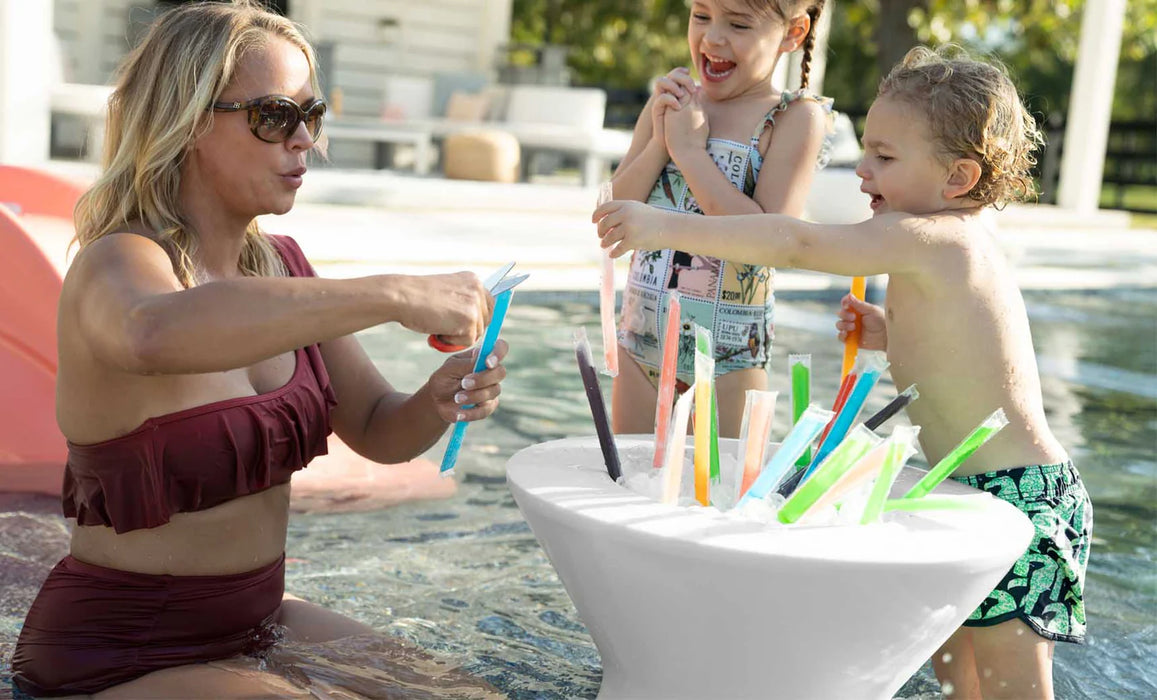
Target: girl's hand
686, 129
671, 92
873, 326
625, 225
454, 385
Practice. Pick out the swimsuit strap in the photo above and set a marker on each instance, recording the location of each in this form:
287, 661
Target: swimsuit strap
785, 100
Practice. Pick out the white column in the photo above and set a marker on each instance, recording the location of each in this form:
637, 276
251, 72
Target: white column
25, 57
494, 32
789, 70
1090, 105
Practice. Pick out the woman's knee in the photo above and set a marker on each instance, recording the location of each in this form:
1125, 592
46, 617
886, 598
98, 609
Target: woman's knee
309, 622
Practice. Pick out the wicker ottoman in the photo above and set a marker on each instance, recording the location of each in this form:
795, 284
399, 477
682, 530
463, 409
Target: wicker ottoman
487, 155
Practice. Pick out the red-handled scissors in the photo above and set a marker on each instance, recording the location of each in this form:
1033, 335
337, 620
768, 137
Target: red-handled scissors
496, 284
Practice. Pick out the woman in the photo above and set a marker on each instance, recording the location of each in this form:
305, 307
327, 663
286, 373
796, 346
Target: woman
202, 363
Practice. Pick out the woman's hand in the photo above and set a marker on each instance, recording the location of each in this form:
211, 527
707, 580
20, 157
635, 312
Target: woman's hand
625, 225
454, 385
686, 129
873, 326
455, 307
671, 92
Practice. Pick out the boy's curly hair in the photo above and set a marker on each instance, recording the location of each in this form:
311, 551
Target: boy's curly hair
973, 111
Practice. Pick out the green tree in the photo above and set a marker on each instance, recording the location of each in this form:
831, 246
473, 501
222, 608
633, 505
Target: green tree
1037, 39
615, 43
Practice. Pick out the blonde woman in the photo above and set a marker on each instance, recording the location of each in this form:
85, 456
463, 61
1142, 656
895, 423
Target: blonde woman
202, 363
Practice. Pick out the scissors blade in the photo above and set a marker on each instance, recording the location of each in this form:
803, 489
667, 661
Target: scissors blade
495, 278
508, 284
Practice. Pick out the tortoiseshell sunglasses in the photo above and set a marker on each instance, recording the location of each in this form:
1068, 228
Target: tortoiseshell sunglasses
274, 118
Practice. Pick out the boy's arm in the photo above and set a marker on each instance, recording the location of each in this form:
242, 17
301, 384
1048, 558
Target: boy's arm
890, 243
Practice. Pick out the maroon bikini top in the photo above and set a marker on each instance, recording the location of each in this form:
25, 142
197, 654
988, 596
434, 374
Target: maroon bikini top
203, 456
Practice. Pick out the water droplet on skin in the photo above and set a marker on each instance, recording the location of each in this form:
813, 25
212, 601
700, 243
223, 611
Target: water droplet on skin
1019, 632
947, 658
948, 689
987, 673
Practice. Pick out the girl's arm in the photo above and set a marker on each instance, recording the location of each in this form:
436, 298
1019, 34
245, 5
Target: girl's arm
645, 159
135, 316
788, 164
790, 161
888, 244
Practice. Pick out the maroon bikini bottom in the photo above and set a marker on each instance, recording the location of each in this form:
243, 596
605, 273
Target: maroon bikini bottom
91, 628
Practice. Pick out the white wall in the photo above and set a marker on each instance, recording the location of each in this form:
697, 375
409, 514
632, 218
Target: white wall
424, 38
430, 36
25, 60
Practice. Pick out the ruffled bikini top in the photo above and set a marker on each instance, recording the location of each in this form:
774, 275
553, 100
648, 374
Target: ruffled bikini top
206, 455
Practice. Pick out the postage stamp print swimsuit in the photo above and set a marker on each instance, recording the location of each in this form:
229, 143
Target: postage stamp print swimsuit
734, 300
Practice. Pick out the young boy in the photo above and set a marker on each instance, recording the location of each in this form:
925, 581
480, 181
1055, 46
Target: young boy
946, 137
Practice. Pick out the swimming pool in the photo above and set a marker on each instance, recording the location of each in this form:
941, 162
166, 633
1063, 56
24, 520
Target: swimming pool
465, 579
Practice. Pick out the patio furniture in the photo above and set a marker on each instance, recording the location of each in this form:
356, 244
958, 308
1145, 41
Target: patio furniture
489, 155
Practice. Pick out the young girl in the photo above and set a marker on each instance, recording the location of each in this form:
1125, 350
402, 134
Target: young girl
699, 149
946, 137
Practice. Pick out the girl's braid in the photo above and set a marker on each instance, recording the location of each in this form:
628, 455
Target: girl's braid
809, 42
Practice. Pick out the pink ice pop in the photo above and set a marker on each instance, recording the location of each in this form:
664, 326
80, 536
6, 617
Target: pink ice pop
607, 298
667, 379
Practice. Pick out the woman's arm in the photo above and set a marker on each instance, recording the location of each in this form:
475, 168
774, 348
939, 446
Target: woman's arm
389, 426
887, 244
135, 316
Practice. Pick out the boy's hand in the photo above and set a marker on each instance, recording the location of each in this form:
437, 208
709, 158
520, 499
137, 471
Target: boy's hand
686, 129
672, 91
624, 226
873, 327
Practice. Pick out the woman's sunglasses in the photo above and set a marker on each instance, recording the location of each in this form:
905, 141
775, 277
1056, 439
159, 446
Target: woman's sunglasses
274, 118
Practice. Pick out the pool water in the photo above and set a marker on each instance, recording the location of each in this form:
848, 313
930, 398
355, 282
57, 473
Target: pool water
465, 580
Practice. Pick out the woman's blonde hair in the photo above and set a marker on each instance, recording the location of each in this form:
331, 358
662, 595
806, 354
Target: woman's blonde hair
162, 103
972, 110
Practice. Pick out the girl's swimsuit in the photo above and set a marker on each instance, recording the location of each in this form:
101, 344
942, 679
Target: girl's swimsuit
733, 300
92, 627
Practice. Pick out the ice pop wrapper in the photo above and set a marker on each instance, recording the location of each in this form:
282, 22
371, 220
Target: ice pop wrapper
667, 378
901, 446
970, 444
802, 433
582, 349
894, 406
970, 502
714, 474
607, 297
489, 338
754, 434
858, 443
873, 363
800, 369
842, 393
676, 448
861, 472
704, 376
852, 341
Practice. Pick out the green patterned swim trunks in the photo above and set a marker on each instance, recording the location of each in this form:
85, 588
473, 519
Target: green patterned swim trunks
1045, 587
